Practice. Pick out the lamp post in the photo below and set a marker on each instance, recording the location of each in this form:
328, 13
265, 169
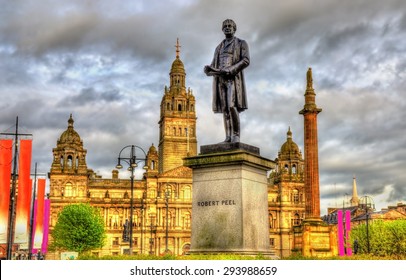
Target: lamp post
132, 162
366, 202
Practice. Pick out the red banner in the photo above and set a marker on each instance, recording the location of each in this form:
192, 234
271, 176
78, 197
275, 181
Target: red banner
6, 153
39, 219
23, 192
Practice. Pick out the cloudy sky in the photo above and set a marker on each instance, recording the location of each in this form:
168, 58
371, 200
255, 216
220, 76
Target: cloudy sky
107, 62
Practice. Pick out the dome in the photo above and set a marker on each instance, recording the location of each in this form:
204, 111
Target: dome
69, 135
289, 147
178, 67
152, 149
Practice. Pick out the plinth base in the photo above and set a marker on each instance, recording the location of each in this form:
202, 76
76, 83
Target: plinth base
315, 239
230, 202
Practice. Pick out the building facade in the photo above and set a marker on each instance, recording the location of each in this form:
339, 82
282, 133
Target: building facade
286, 196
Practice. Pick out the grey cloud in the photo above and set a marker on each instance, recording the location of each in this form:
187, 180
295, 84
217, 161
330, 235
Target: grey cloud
92, 96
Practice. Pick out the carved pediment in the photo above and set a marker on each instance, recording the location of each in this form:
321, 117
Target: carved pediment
178, 172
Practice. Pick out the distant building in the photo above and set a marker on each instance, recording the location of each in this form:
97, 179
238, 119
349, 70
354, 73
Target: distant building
286, 196
359, 213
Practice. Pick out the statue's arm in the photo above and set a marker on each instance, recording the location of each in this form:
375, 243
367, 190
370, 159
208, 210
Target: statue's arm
211, 70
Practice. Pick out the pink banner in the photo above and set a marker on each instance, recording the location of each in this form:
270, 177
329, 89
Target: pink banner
6, 154
347, 232
23, 193
34, 251
340, 232
39, 215
47, 212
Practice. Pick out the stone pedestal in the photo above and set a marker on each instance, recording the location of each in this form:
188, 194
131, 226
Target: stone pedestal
230, 200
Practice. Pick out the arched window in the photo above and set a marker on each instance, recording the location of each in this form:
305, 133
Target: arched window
294, 169
152, 167
68, 192
179, 107
115, 219
271, 221
62, 161
286, 168
70, 161
186, 193
296, 219
174, 131
295, 196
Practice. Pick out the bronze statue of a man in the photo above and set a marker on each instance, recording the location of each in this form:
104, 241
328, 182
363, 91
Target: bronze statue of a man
229, 95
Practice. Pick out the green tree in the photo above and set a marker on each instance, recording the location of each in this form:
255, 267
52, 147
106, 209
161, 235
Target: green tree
79, 228
385, 238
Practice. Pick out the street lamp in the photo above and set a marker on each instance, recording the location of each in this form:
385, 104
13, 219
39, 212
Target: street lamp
132, 162
366, 203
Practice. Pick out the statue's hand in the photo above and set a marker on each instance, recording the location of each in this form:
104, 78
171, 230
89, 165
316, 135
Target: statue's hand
206, 69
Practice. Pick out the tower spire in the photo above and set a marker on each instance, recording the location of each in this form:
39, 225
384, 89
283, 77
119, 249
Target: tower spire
70, 121
354, 200
177, 46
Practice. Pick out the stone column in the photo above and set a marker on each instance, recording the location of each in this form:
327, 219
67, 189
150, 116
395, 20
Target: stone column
311, 156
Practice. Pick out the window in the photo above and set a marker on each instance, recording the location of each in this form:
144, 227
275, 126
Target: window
187, 220
69, 162
179, 107
296, 220
115, 219
294, 169
186, 193
271, 221
295, 196
115, 241
68, 192
272, 242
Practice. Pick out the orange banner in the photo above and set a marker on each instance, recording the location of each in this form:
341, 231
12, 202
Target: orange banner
23, 193
6, 153
39, 219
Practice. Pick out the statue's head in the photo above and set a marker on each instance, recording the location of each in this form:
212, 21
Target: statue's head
229, 23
